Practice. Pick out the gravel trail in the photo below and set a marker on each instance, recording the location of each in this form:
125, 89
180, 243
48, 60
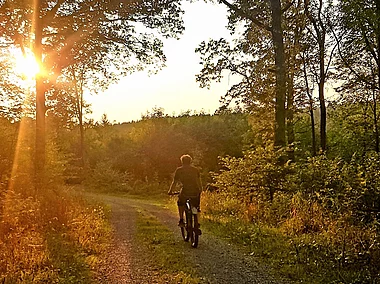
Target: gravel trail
217, 261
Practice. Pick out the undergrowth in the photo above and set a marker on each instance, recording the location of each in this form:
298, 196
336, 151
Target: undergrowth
331, 254
50, 237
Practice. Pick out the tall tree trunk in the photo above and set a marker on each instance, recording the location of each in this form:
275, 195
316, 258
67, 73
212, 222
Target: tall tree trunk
375, 121
290, 115
311, 109
313, 139
320, 31
378, 78
81, 129
40, 140
321, 90
323, 116
277, 35
79, 104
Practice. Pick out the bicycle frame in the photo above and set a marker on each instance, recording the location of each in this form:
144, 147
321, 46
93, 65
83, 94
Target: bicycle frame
191, 230
190, 208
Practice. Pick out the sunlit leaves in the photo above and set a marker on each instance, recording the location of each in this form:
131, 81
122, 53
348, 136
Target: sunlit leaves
110, 37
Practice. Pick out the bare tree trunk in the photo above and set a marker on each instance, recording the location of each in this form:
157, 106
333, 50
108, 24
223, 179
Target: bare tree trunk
40, 142
378, 78
375, 122
323, 116
311, 109
277, 35
290, 115
81, 129
79, 103
320, 30
313, 139
321, 89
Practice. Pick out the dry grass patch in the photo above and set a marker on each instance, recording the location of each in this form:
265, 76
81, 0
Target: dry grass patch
54, 237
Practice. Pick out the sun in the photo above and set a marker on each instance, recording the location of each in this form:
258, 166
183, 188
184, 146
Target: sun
26, 64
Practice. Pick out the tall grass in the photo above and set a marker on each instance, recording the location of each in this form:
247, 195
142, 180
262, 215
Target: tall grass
297, 237
50, 237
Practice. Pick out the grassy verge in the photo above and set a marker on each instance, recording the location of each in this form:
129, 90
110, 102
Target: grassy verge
265, 243
304, 258
68, 260
167, 255
50, 238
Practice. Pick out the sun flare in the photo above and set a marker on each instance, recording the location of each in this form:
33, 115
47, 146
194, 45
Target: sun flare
26, 65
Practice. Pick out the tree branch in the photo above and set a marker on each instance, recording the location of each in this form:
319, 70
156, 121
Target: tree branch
247, 16
287, 6
358, 76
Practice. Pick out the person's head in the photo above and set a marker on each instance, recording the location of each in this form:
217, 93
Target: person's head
186, 159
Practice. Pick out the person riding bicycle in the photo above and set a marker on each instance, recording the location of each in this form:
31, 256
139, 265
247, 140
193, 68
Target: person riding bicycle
189, 177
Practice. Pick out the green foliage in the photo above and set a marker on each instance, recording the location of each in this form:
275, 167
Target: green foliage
105, 179
256, 175
149, 150
351, 129
328, 208
359, 53
344, 189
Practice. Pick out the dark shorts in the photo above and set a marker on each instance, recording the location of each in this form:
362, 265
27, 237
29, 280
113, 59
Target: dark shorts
195, 201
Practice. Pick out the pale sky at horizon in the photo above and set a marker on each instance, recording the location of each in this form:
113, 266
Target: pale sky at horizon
174, 88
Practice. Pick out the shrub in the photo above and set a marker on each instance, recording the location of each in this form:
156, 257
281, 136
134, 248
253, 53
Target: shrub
329, 208
259, 174
105, 179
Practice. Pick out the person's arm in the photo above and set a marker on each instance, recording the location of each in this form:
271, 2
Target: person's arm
174, 183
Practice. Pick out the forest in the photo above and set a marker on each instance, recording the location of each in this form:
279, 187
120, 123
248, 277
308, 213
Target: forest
292, 153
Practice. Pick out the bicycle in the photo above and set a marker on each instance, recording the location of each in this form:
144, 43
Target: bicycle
191, 231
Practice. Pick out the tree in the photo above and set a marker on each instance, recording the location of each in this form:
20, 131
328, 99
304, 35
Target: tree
103, 33
267, 18
308, 89
255, 91
320, 15
359, 50
67, 103
294, 27
156, 112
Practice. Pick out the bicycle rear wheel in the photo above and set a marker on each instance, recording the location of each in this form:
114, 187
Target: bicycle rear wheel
195, 232
185, 234
186, 231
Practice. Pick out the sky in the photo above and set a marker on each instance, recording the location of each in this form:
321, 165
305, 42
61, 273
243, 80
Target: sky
174, 88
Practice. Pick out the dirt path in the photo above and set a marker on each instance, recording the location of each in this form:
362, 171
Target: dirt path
217, 262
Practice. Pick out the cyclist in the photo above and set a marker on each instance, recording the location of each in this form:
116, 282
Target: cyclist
189, 177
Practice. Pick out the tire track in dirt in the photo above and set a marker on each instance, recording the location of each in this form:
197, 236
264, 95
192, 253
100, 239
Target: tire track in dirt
217, 262
124, 262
